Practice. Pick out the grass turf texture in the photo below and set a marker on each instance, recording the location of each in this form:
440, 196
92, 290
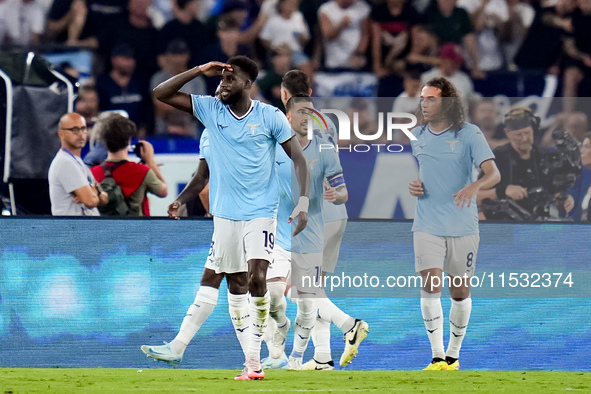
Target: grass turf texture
99, 380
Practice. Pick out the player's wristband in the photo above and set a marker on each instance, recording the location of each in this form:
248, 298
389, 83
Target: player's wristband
302, 206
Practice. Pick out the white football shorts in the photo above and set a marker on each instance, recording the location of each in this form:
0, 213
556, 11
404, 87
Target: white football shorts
235, 242
454, 255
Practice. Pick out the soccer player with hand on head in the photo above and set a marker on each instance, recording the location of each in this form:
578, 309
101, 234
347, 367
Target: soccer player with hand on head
446, 219
243, 134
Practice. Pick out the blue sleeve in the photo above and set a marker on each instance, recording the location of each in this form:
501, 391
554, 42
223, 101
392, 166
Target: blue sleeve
204, 109
279, 126
203, 144
333, 171
479, 148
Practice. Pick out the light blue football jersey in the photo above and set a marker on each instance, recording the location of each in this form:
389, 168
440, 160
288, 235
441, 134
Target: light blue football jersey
322, 165
332, 212
446, 165
242, 183
204, 145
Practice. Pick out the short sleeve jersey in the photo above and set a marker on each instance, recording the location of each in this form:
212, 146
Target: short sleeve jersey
243, 184
446, 165
323, 164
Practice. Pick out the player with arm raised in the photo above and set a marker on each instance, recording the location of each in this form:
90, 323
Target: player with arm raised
243, 185
446, 219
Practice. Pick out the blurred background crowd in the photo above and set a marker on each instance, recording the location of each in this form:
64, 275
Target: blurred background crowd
137, 44
485, 47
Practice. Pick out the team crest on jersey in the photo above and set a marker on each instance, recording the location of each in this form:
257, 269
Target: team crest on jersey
253, 127
452, 144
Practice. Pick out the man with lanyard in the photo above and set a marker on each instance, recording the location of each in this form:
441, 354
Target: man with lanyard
73, 191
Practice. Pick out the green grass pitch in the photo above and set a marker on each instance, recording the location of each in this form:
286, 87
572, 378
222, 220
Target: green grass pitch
99, 380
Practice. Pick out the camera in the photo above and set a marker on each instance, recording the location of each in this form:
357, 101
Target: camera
560, 168
135, 149
564, 164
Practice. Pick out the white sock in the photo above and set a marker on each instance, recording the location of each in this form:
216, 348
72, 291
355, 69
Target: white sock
331, 313
433, 318
239, 313
268, 337
259, 312
205, 300
459, 315
304, 322
278, 303
321, 340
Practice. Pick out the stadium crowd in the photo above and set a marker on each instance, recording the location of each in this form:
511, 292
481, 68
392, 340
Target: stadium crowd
138, 44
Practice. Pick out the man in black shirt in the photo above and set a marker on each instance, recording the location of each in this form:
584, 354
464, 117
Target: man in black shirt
521, 163
578, 51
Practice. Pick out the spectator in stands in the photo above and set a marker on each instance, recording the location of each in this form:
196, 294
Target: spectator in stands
576, 123
267, 8
79, 22
187, 27
542, 46
409, 100
87, 104
309, 10
423, 49
139, 33
226, 46
67, 23
345, 29
31, 24
288, 27
121, 89
520, 163
484, 115
73, 191
391, 26
452, 24
581, 191
175, 61
514, 30
451, 61
135, 180
8, 22
488, 17
578, 51
270, 85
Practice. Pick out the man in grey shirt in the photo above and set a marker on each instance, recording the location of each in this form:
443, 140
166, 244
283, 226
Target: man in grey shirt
72, 188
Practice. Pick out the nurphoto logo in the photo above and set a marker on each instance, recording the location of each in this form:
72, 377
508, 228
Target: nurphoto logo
402, 121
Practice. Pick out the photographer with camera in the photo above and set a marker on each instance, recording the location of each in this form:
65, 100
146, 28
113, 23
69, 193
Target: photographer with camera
527, 189
132, 181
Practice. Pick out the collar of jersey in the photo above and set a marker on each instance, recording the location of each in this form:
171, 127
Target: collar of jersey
307, 145
441, 132
246, 114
